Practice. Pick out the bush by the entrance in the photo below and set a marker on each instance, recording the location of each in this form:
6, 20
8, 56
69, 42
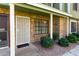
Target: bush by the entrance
63, 42
46, 42
77, 35
72, 38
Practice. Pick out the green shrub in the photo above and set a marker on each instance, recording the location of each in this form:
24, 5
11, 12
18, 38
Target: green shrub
46, 42
77, 35
63, 42
72, 38
55, 36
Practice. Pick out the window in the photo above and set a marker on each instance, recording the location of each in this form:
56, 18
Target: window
48, 4
75, 6
56, 5
41, 26
65, 7
73, 27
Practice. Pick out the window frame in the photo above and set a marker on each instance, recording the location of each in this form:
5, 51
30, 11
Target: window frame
56, 7
46, 27
75, 6
75, 21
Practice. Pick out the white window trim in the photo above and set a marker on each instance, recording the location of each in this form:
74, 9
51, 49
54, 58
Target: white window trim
70, 25
68, 7
61, 6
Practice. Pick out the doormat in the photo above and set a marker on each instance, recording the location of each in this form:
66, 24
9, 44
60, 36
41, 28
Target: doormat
23, 45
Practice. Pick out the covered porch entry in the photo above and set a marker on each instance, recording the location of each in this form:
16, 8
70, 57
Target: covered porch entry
20, 33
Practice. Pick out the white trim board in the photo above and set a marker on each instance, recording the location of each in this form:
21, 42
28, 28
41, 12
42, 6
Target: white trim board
50, 9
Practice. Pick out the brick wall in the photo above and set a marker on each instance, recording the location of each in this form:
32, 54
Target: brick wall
56, 24
32, 16
63, 27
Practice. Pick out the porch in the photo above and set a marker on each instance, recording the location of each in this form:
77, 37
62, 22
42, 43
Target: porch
35, 49
21, 34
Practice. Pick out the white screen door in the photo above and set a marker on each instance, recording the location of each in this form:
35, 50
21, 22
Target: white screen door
22, 30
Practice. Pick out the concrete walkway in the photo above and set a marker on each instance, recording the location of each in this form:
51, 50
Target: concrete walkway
73, 52
4, 51
30, 50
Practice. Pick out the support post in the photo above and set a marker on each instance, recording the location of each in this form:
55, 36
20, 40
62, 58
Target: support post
12, 31
51, 26
68, 26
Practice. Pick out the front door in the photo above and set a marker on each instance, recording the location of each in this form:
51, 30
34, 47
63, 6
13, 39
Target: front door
3, 31
22, 30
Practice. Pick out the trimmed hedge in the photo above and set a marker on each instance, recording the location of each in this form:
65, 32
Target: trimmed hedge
63, 42
72, 38
46, 42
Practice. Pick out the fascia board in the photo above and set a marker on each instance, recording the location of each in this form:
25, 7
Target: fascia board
50, 9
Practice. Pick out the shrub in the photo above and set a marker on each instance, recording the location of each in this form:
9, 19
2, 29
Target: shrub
46, 42
72, 38
63, 42
55, 36
77, 35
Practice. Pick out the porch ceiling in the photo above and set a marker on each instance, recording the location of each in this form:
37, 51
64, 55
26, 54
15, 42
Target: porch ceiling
19, 8
35, 9
4, 5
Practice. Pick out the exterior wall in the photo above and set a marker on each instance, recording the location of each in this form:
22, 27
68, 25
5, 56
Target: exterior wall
56, 24
77, 26
63, 27
75, 14
6, 12
60, 25
32, 16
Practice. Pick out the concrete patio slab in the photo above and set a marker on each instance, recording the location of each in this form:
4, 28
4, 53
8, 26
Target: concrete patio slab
30, 50
73, 52
68, 54
5, 51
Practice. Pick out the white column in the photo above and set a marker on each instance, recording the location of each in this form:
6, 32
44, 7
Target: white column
51, 25
12, 31
68, 26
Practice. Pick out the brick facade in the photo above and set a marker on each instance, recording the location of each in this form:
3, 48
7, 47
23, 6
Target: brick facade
63, 27
33, 37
